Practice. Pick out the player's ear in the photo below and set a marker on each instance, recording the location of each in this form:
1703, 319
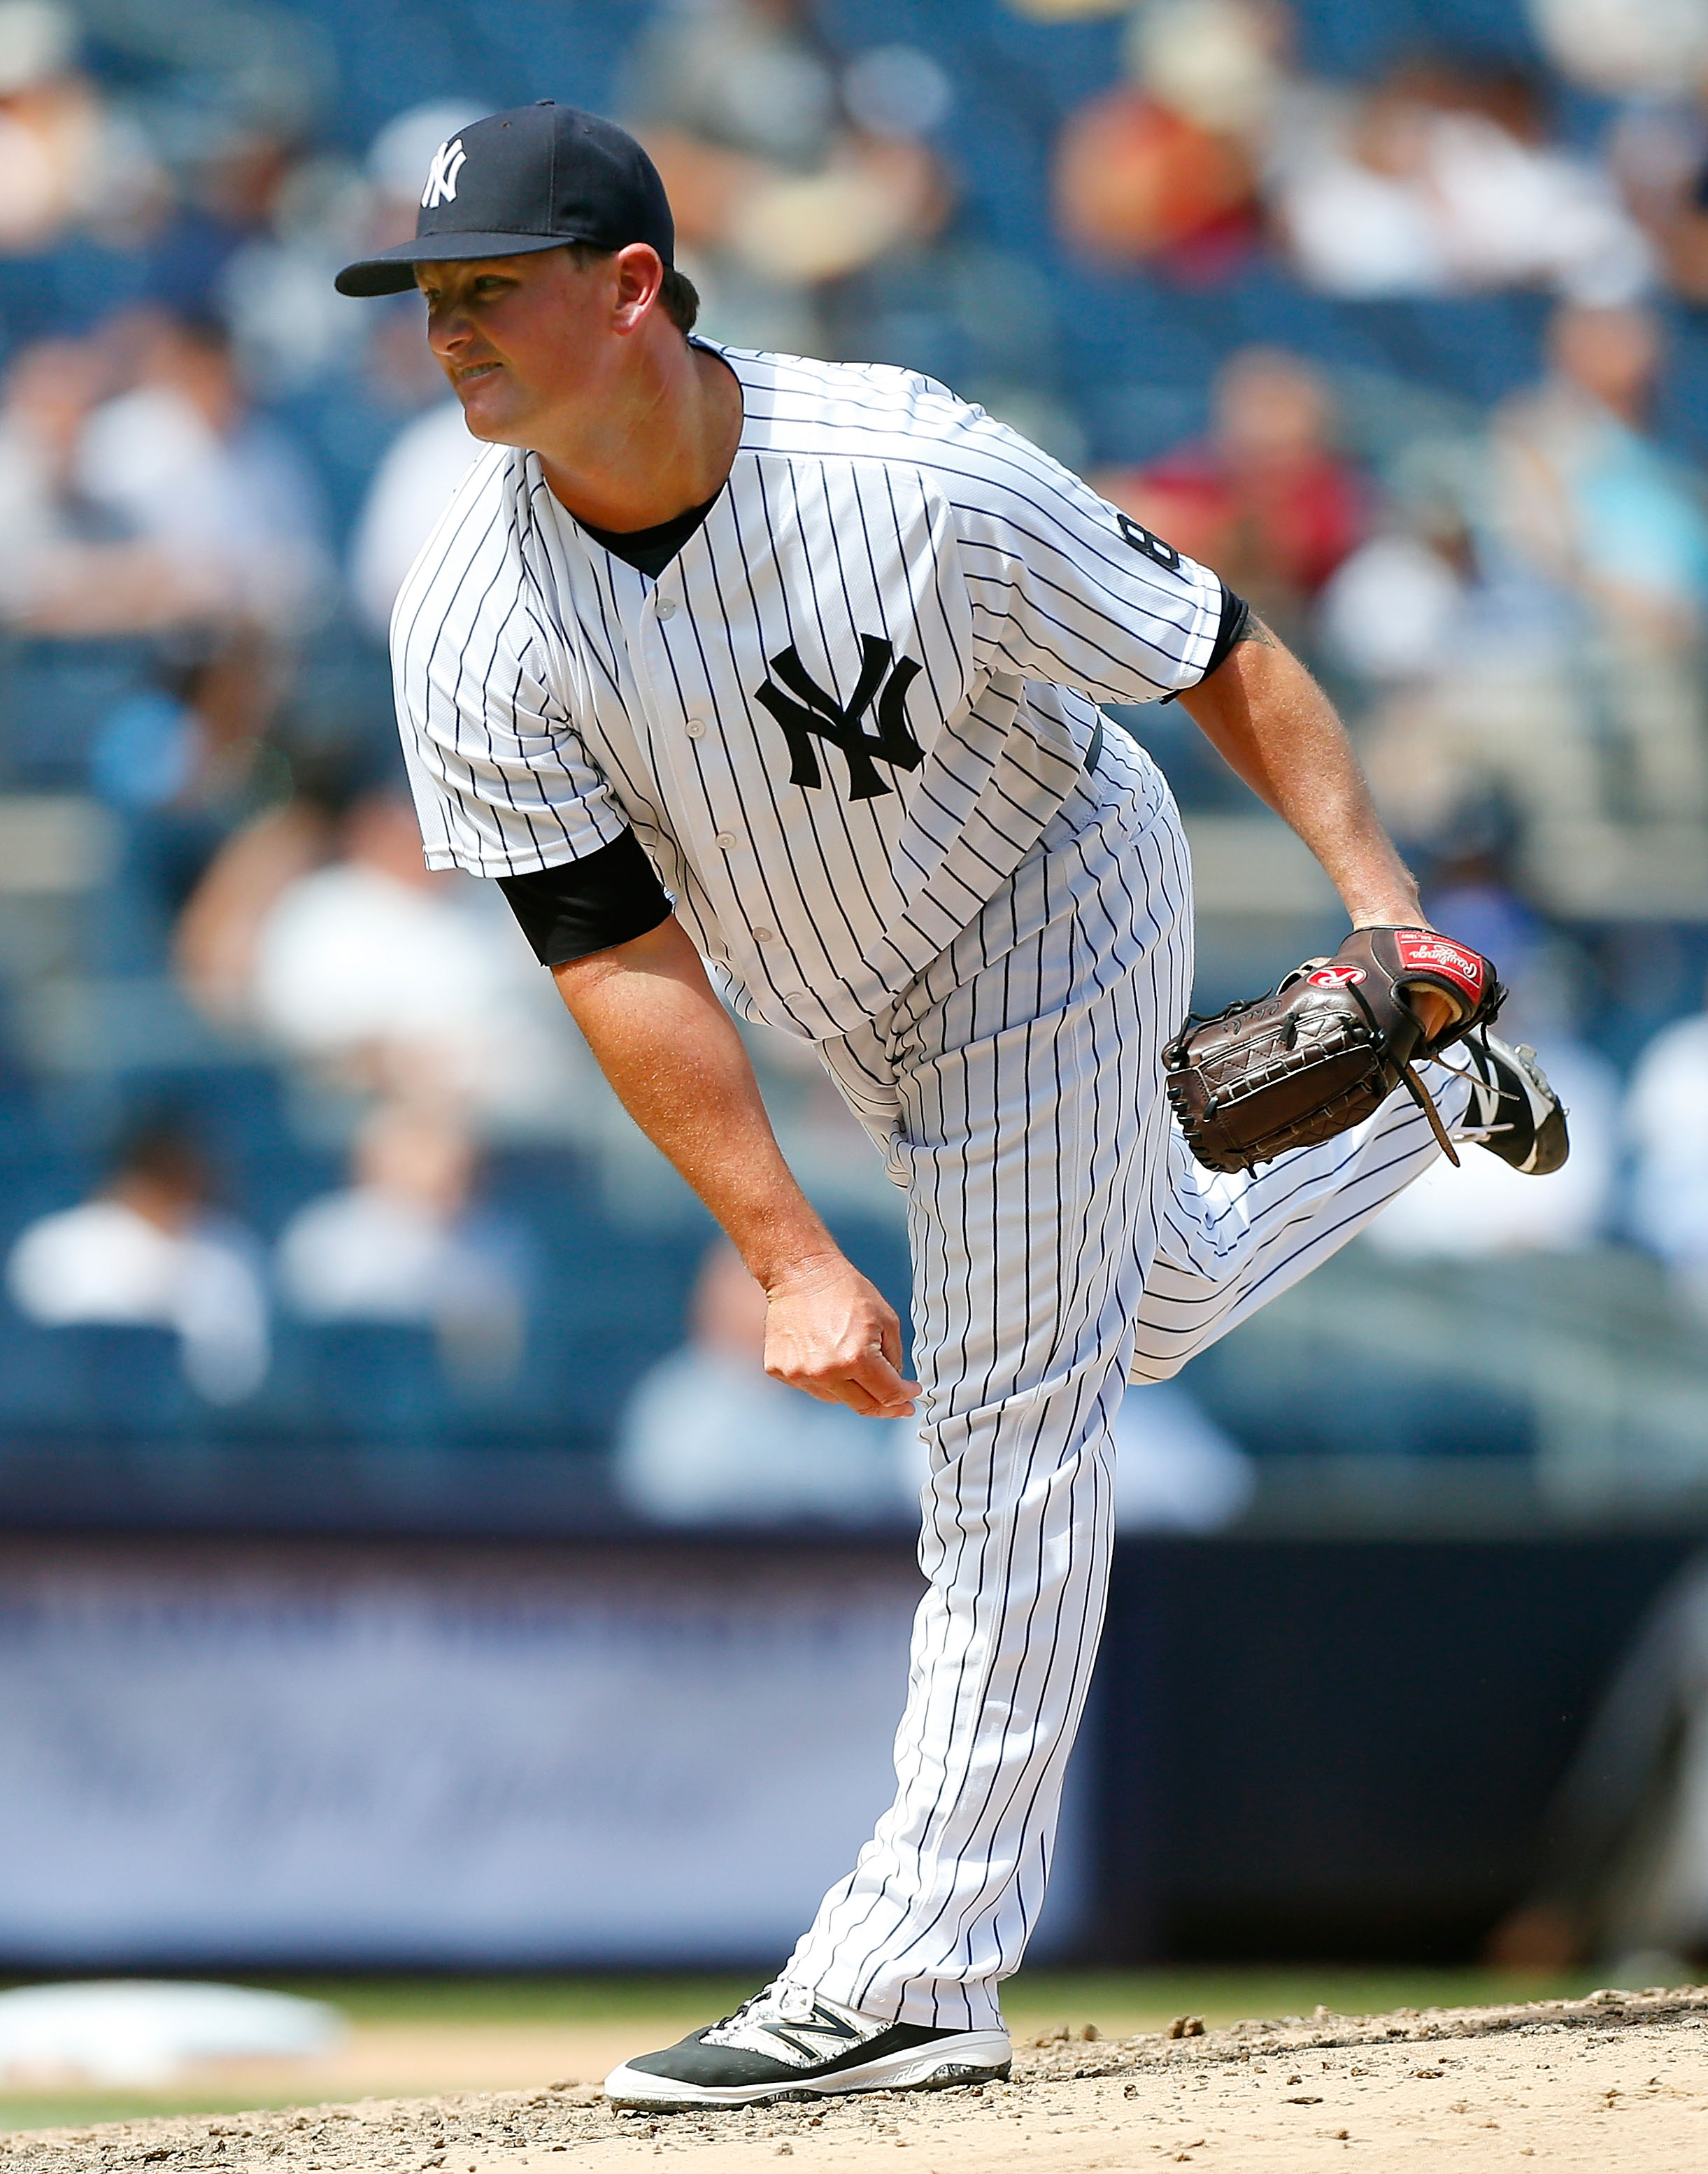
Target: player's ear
640, 272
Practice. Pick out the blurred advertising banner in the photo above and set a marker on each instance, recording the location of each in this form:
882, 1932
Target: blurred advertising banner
328, 1755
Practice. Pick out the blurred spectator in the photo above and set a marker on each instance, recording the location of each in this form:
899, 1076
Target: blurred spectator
1666, 1118
69, 564
1659, 152
181, 462
233, 175
1534, 616
215, 942
1441, 180
1623, 1878
65, 160
708, 1438
1395, 611
281, 226
1266, 499
411, 488
1587, 496
1386, 616
385, 978
785, 173
1655, 59
1166, 165
149, 1251
174, 761
1466, 661
1622, 50
406, 1242
190, 739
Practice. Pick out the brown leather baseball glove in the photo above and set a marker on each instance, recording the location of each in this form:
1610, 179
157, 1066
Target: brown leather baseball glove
1325, 1050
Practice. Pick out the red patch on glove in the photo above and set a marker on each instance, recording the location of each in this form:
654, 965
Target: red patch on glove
1422, 951
1334, 978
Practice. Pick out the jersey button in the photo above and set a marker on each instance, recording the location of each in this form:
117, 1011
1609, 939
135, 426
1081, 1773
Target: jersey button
764, 936
725, 841
667, 608
695, 728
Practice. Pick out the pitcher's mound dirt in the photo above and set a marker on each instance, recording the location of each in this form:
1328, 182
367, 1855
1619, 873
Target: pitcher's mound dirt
1617, 2084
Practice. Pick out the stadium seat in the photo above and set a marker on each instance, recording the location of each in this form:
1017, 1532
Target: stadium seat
368, 1382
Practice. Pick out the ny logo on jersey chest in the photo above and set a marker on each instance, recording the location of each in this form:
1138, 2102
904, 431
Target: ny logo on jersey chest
806, 713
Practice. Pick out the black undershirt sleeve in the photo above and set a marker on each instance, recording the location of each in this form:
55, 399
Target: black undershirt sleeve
607, 897
1236, 617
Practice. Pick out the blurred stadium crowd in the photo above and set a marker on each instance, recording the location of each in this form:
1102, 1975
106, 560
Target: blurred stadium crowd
1394, 316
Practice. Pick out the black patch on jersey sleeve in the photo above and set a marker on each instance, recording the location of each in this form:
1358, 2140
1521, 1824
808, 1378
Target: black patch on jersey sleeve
607, 897
1145, 540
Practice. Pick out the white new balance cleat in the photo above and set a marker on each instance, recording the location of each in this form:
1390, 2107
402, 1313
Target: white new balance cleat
1513, 1111
788, 2043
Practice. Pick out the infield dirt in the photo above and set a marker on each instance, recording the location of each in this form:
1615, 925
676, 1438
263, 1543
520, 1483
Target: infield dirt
1617, 2082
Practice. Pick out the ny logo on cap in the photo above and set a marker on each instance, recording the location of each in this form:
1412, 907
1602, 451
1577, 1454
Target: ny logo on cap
448, 162
807, 712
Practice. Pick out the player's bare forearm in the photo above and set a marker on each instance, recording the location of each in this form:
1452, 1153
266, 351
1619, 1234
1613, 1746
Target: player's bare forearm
1273, 725
673, 1055
678, 1065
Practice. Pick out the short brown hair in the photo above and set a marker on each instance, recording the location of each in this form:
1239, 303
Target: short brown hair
677, 295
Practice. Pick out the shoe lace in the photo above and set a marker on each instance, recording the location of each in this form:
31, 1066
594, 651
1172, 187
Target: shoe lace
740, 2015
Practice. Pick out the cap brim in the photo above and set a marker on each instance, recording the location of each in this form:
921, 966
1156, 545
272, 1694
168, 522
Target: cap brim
393, 272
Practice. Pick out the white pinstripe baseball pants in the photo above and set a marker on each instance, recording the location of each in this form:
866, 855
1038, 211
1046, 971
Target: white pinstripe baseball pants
1063, 1237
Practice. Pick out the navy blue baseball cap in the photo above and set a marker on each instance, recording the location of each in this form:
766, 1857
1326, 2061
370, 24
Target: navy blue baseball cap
533, 178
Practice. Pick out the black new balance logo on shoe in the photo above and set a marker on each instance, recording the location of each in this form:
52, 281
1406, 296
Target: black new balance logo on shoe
817, 2036
806, 712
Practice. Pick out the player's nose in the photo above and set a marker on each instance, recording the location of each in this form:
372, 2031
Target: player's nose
450, 327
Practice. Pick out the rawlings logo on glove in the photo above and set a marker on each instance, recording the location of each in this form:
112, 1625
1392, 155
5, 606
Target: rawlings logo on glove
1325, 1050
1437, 957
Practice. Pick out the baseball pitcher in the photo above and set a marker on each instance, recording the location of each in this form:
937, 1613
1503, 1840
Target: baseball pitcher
775, 682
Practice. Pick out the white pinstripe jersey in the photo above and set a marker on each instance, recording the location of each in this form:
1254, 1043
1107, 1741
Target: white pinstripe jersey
839, 718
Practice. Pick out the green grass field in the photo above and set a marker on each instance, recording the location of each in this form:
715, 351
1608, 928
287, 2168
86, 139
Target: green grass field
1118, 2001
